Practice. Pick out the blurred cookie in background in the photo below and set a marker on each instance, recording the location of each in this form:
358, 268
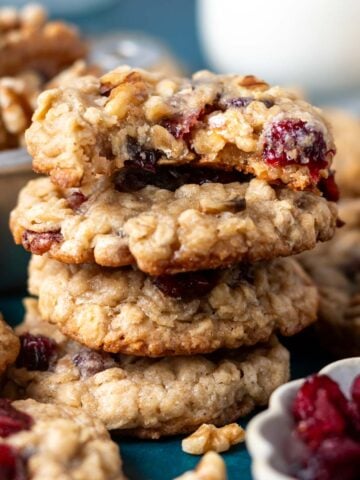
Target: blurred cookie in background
335, 268
28, 41
346, 129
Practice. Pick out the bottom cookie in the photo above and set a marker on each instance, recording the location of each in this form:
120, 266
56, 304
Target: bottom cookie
58, 442
147, 398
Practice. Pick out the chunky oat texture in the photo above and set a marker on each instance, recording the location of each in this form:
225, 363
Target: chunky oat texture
210, 467
64, 443
195, 227
151, 398
9, 345
226, 121
210, 438
335, 268
346, 129
29, 42
122, 310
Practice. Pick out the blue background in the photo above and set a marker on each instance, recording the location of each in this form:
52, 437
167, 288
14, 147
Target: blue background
172, 21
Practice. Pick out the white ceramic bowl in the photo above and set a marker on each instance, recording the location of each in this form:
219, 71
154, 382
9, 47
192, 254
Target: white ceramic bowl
269, 435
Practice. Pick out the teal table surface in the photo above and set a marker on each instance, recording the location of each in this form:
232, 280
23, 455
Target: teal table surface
164, 460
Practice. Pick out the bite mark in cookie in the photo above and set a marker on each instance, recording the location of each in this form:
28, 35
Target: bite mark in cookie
97, 126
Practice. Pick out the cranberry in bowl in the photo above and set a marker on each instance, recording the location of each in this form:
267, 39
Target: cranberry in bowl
311, 430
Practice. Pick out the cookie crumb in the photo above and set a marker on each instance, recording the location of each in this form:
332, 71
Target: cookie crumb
208, 437
210, 467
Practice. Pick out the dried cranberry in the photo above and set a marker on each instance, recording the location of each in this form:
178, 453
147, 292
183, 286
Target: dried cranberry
337, 458
12, 420
90, 362
239, 102
187, 286
131, 179
181, 125
76, 199
40, 242
290, 142
36, 352
12, 465
139, 157
319, 409
329, 188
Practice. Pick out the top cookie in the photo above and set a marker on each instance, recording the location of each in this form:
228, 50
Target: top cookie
29, 42
223, 121
9, 345
346, 130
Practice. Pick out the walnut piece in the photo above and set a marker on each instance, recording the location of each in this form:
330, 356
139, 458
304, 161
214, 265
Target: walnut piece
208, 437
210, 467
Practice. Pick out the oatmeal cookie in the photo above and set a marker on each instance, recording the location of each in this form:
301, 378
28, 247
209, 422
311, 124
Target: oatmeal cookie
190, 228
29, 42
335, 268
57, 442
131, 116
346, 129
146, 397
9, 345
126, 311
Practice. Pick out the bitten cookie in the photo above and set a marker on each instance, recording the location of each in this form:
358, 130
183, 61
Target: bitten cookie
335, 268
145, 397
146, 119
118, 221
126, 311
9, 345
57, 442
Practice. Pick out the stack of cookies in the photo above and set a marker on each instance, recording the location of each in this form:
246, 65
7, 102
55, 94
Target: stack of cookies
159, 245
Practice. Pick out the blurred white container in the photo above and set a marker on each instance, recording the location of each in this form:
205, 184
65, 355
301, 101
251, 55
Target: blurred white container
312, 43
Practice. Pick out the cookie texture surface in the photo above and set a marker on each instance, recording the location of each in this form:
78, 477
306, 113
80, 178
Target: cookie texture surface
335, 268
9, 345
55, 441
29, 42
150, 398
124, 310
346, 130
193, 227
146, 119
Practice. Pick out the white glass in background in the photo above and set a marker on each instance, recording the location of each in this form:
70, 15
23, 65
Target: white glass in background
311, 43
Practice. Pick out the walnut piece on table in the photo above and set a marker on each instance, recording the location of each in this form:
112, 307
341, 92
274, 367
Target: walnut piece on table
208, 437
210, 467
